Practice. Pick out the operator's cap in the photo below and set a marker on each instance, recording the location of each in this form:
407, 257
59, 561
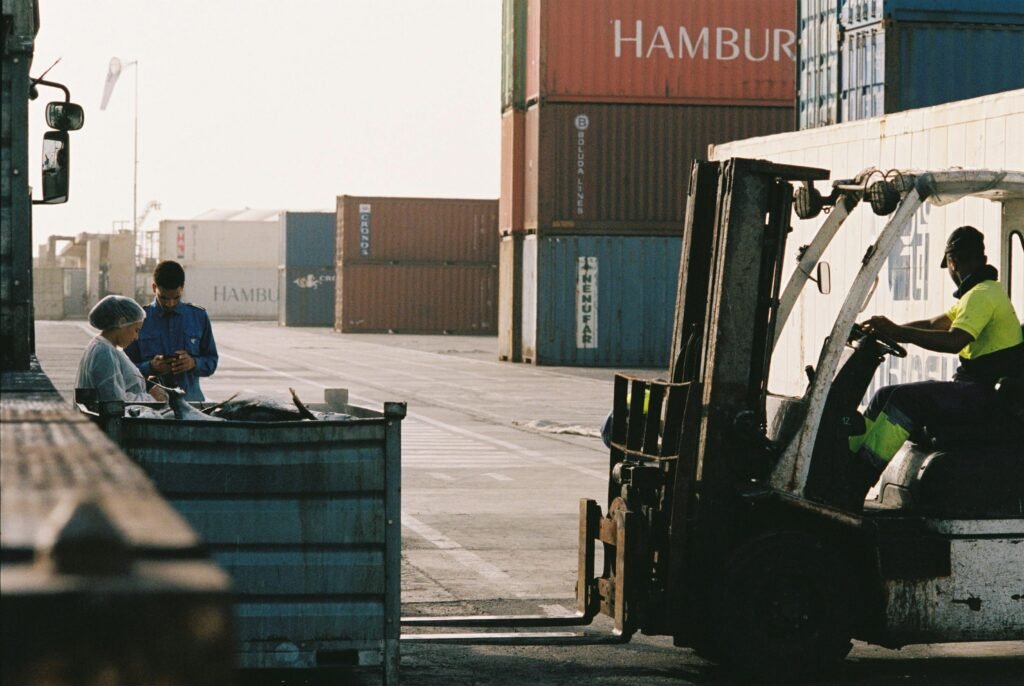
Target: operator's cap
965, 240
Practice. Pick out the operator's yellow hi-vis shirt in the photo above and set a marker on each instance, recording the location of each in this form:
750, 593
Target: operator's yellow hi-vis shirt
986, 313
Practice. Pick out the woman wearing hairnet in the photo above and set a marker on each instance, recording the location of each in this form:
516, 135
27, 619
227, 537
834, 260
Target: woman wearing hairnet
104, 366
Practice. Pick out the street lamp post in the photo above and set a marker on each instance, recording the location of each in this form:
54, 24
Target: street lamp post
113, 72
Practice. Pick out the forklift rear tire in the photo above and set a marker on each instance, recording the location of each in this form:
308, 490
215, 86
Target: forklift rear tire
782, 607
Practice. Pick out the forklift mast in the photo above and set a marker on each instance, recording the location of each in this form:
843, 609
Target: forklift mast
680, 448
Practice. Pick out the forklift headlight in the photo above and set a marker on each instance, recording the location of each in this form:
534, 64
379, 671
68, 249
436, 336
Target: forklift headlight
808, 202
883, 197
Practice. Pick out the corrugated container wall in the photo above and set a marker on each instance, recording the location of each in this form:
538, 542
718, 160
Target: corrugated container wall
513, 171
625, 168
513, 54
417, 229
417, 265
307, 285
233, 292
510, 298
421, 298
818, 63
982, 133
943, 11
661, 51
892, 65
599, 300
228, 243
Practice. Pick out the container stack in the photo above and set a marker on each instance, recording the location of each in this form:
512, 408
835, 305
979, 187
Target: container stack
604, 106
865, 58
231, 260
416, 265
817, 79
307, 277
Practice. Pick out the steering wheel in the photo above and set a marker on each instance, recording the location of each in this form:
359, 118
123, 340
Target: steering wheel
887, 344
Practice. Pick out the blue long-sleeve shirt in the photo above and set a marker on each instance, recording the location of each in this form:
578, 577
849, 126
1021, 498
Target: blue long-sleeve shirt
186, 327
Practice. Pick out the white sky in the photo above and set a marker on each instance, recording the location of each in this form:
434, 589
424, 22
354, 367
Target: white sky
277, 104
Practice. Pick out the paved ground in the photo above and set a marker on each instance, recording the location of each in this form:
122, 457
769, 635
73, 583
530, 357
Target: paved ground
490, 494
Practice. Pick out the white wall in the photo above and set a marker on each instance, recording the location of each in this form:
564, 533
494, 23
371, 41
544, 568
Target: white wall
983, 133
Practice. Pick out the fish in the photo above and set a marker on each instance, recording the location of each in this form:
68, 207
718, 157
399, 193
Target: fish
182, 409
143, 412
249, 407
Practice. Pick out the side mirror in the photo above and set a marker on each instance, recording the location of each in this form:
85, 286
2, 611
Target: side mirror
56, 167
64, 116
824, 278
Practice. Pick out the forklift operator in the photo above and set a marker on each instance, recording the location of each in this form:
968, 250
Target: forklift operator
981, 326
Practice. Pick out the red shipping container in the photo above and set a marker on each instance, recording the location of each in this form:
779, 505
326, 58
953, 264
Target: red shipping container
417, 298
625, 168
417, 229
513, 155
660, 51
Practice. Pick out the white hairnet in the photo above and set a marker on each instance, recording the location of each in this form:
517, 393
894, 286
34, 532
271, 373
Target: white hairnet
115, 311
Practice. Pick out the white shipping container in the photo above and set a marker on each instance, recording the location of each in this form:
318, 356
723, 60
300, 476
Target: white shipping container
221, 239
982, 133
233, 293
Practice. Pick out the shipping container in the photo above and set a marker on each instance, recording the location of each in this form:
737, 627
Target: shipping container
982, 133
307, 277
417, 229
599, 301
513, 171
431, 298
247, 238
233, 292
858, 12
727, 52
510, 298
305, 516
893, 66
513, 55
624, 168
817, 78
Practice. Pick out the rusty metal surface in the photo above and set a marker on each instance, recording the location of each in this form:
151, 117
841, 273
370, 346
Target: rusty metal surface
511, 203
417, 229
418, 298
603, 168
725, 52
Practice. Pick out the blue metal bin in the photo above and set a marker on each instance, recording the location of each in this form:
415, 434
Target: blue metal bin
305, 518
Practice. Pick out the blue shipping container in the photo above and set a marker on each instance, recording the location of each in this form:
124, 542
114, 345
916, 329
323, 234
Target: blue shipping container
894, 66
307, 283
818, 63
599, 301
1003, 12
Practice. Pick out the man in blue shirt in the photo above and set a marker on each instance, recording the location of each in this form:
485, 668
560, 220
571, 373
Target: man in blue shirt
176, 342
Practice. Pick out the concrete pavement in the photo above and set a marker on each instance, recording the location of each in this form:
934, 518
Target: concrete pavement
490, 504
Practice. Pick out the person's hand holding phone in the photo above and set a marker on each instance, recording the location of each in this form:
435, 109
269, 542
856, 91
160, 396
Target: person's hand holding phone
182, 362
161, 364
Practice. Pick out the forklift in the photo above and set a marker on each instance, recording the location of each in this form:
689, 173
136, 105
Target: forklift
736, 520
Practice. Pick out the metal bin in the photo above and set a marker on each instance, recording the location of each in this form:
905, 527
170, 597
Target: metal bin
305, 518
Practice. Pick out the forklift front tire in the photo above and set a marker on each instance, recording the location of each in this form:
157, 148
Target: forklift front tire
782, 607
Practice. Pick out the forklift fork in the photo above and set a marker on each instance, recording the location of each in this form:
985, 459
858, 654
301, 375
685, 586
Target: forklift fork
609, 594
